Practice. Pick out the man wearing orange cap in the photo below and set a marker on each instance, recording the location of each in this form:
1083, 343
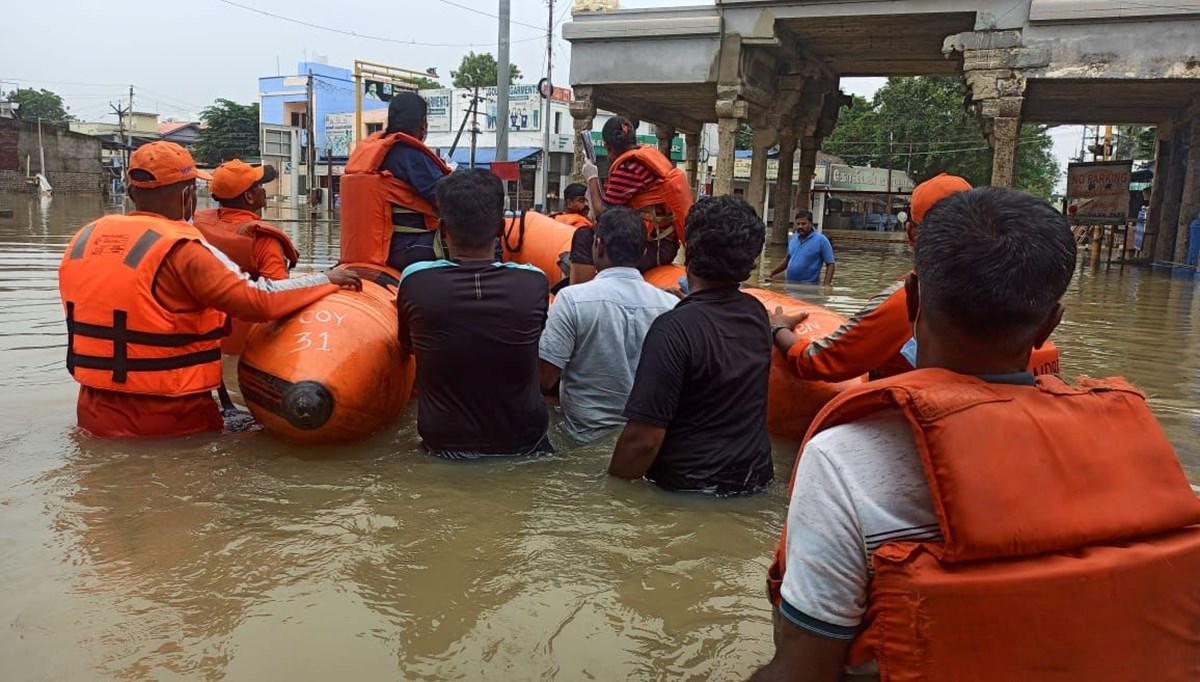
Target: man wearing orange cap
872, 340
236, 227
146, 300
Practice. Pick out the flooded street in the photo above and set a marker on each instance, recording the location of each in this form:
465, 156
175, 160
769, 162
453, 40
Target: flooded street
245, 558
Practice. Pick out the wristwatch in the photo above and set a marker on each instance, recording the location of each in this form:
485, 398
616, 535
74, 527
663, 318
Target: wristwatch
775, 329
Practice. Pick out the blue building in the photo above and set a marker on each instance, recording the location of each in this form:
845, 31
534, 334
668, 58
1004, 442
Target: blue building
283, 99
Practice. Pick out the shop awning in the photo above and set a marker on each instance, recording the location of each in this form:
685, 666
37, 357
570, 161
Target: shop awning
485, 155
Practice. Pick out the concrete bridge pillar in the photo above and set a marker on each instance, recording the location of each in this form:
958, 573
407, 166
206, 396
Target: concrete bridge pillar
1189, 203
1006, 133
756, 194
1173, 179
583, 112
809, 147
1164, 149
691, 159
784, 185
665, 135
730, 114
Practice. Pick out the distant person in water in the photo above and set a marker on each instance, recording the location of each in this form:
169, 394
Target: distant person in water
698, 408
237, 227
474, 324
594, 334
147, 300
807, 251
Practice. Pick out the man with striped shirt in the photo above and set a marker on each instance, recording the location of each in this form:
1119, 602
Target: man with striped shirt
626, 181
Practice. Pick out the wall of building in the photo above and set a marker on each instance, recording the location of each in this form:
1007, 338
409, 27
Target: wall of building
333, 92
72, 159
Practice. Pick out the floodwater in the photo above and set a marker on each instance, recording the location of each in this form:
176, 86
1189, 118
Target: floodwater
244, 558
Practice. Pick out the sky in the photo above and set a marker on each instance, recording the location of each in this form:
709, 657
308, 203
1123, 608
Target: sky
179, 58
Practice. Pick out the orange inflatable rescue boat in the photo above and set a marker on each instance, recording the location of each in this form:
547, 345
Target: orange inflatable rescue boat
541, 241
791, 401
334, 371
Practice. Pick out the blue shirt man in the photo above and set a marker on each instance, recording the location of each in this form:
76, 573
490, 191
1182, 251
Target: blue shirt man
807, 251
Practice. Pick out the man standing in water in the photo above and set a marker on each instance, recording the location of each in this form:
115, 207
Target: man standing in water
894, 522
594, 334
146, 300
807, 251
698, 409
237, 228
389, 199
474, 326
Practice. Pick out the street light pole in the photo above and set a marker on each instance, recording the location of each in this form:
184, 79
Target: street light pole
502, 83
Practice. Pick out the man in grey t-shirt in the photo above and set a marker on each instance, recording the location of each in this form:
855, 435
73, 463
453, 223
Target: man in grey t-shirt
593, 337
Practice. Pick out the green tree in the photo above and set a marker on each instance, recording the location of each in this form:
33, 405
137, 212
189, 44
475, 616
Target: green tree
479, 71
745, 137
919, 124
43, 104
424, 83
231, 131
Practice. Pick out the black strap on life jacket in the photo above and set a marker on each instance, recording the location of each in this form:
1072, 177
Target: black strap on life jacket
520, 235
121, 336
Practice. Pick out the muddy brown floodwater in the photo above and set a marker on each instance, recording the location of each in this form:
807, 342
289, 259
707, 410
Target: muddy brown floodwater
245, 558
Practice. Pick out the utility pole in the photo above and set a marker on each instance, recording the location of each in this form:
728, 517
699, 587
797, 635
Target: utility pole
502, 82
475, 129
129, 140
546, 118
310, 160
891, 162
121, 112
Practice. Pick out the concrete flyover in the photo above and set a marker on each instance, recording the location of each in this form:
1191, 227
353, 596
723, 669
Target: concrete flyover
777, 66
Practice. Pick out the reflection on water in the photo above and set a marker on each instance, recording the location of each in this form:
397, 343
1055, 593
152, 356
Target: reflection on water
244, 558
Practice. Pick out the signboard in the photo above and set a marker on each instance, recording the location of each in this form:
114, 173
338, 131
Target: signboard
676, 144
339, 135
866, 179
441, 110
741, 171
1099, 189
524, 108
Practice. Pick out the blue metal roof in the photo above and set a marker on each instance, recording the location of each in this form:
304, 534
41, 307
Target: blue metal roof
485, 155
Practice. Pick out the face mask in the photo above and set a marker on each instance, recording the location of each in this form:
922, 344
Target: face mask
189, 205
909, 351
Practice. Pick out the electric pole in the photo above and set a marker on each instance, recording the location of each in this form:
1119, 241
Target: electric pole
502, 82
546, 118
129, 141
311, 153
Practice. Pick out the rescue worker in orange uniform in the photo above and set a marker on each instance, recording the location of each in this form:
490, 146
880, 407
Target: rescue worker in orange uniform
642, 178
575, 213
389, 210
967, 520
871, 340
237, 228
259, 248
146, 300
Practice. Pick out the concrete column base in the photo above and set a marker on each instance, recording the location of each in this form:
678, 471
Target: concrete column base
730, 114
691, 160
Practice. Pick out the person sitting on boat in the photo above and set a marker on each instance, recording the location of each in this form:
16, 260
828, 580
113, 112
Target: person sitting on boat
236, 227
807, 251
389, 209
967, 520
698, 408
642, 178
474, 324
576, 211
594, 333
146, 300
870, 342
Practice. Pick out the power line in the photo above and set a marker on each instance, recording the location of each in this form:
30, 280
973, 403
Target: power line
487, 14
361, 35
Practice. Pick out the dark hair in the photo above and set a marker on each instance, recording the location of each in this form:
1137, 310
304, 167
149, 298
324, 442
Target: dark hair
575, 190
994, 262
803, 214
724, 237
619, 133
406, 113
624, 235
471, 205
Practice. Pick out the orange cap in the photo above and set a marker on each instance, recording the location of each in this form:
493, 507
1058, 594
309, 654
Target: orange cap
933, 190
166, 162
234, 177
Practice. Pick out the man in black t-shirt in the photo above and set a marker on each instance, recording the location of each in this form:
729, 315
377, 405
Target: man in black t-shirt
475, 325
698, 410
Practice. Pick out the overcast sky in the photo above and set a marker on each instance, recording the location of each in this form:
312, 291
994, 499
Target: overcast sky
180, 57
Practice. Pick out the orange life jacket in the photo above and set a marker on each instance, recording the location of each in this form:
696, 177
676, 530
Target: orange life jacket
1070, 547
368, 196
236, 239
119, 338
573, 219
665, 204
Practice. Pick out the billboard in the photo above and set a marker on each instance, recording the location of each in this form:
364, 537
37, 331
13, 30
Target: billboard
339, 135
1099, 189
441, 110
525, 108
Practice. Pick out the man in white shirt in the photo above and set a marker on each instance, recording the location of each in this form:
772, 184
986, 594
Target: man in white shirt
593, 337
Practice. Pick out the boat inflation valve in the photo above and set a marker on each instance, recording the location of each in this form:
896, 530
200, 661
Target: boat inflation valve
307, 405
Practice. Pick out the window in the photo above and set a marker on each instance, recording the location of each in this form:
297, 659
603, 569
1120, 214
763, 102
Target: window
299, 119
373, 128
557, 122
277, 143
